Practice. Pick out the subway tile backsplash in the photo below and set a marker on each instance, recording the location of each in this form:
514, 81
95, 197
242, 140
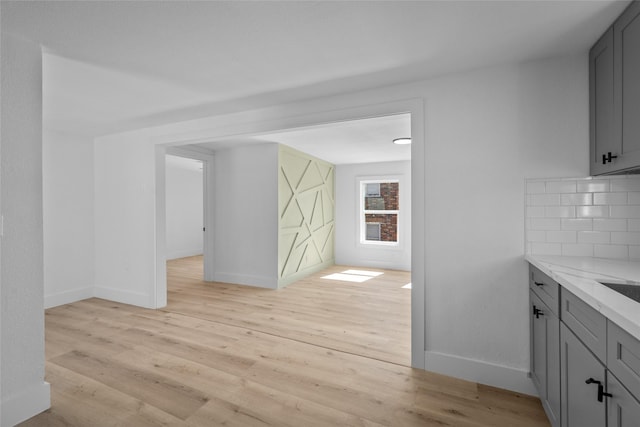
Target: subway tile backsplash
597, 217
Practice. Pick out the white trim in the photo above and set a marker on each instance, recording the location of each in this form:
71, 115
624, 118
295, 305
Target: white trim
67, 297
159, 292
207, 158
481, 372
28, 403
126, 297
161, 256
247, 280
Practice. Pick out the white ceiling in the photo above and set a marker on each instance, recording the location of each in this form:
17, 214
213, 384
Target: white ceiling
119, 65
357, 141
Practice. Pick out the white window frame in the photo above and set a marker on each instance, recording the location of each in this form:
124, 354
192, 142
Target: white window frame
362, 212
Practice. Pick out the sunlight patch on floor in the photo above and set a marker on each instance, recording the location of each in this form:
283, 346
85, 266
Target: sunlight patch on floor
364, 273
357, 276
407, 286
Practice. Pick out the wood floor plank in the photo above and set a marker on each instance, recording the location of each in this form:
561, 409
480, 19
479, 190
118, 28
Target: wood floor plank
170, 396
317, 353
78, 400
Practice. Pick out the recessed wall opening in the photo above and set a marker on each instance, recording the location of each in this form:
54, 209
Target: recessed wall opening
230, 147
319, 188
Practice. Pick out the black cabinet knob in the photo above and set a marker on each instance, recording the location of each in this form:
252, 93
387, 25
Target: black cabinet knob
538, 283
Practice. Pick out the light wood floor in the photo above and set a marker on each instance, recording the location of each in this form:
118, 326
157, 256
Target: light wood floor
318, 353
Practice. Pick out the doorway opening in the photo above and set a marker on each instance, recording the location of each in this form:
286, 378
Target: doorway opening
185, 208
238, 136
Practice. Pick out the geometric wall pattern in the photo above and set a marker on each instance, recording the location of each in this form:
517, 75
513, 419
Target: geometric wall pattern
306, 207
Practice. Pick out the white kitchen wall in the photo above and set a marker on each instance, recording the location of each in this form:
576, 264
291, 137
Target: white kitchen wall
68, 217
595, 217
245, 215
125, 209
185, 207
349, 250
485, 131
24, 392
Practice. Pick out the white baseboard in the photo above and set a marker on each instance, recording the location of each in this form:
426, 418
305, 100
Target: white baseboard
68, 297
480, 372
183, 254
245, 279
28, 403
125, 297
286, 281
369, 263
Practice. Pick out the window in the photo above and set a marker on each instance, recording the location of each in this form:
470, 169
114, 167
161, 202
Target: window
373, 231
379, 206
373, 189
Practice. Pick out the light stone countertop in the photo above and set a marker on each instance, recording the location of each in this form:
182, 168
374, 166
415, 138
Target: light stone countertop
580, 275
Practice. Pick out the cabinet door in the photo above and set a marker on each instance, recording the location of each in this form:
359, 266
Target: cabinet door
546, 288
603, 135
624, 410
545, 357
626, 42
580, 406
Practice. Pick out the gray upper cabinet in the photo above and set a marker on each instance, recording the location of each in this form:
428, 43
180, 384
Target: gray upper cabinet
614, 93
602, 132
626, 67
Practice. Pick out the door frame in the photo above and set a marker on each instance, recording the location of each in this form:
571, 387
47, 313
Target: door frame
285, 119
208, 195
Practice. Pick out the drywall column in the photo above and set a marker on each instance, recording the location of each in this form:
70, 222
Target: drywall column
125, 233
24, 392
306, 213
67, 170
245, 215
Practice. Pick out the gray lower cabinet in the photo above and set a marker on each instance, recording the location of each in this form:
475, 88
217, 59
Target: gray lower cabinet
624, 410
545, 357
585, 367
582, 377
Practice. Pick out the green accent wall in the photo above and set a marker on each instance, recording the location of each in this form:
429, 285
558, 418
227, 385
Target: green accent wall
306, 220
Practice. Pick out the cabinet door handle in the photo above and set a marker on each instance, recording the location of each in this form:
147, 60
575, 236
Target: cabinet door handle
601, 393
538, 283
537, 312
608, 158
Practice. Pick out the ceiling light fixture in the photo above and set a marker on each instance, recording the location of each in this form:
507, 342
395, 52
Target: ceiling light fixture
402, 141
